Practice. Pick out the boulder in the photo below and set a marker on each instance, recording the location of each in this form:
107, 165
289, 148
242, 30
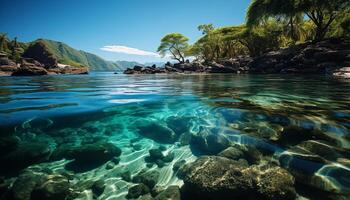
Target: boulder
23, 156
90, 156
137, 191
26, 70
156, 132
55, 187
39, 51
39, 184
149, 178
209, 143
232, 153
213, 177
171, 193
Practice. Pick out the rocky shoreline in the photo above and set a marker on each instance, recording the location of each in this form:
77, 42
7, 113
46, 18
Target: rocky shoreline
327, 57
31, 67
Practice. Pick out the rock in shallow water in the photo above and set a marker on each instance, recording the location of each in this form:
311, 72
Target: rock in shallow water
137, 191
23, 156
156, 132
90, 156
171, 193
213, 177
209, 143
38, 184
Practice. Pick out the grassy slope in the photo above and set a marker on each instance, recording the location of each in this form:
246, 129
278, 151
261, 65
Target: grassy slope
67, 55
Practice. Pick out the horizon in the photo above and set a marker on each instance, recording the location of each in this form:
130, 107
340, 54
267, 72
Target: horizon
83, 25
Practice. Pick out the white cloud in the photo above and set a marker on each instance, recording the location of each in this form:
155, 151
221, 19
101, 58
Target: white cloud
129, 50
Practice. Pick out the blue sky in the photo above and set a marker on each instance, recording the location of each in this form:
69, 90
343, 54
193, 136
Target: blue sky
134, 27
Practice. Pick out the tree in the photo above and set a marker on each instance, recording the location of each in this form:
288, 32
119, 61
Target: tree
3, 42
321, 12
176, 44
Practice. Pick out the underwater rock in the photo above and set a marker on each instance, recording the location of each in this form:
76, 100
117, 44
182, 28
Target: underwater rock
274, 183
55, 187
25, 155
145, 197
38, 184
171, 193
156, 132
149, 178
178, 164
98, 187
209, 143
8, 144
126, 176
90, 156
292, 135
110, 165
213, 177
137, 191
179, 125
155, 154
232, 153
156, 157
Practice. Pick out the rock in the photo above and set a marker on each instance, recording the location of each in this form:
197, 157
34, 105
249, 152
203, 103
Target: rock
213, 177
55, 187
98, 187
110, 166
146, 197
160, 163
209, 143
171, 193
149, 178
90, 156
232, 153
37, 184
178, 164
39, 52
25, 70
169, 157
25, 155
156, 132
179, 125
275, 183
156, 154
126, 176
8, 144
137, 191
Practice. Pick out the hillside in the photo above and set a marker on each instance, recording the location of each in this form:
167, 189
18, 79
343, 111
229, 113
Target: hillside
70, 56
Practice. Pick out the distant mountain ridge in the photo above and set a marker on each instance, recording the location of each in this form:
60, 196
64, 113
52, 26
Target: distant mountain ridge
70, 56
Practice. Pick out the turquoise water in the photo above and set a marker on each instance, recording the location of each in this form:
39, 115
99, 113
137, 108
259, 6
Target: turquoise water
300, 123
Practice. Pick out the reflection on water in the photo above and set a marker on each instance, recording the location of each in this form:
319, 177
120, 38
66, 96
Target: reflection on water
300, 123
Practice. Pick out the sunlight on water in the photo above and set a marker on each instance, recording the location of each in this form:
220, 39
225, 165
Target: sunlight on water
304, 128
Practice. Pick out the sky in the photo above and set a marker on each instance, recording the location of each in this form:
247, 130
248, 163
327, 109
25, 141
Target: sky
116, 29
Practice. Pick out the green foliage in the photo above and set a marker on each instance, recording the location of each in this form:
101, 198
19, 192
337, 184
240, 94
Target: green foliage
176, 44
69, 56
321, 12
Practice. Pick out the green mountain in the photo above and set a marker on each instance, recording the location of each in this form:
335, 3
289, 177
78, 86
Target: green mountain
69, 56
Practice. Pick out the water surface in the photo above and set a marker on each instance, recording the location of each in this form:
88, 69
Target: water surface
300, 122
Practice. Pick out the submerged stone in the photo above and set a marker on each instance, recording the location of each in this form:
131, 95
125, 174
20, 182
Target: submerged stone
232, 153
171, 193
149, 178
98, 187
25, 155
156, 132
209, 143
137, 191
179, 125
90, 156
213, 177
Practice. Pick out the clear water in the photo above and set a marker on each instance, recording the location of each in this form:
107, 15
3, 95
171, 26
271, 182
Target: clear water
250, 110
